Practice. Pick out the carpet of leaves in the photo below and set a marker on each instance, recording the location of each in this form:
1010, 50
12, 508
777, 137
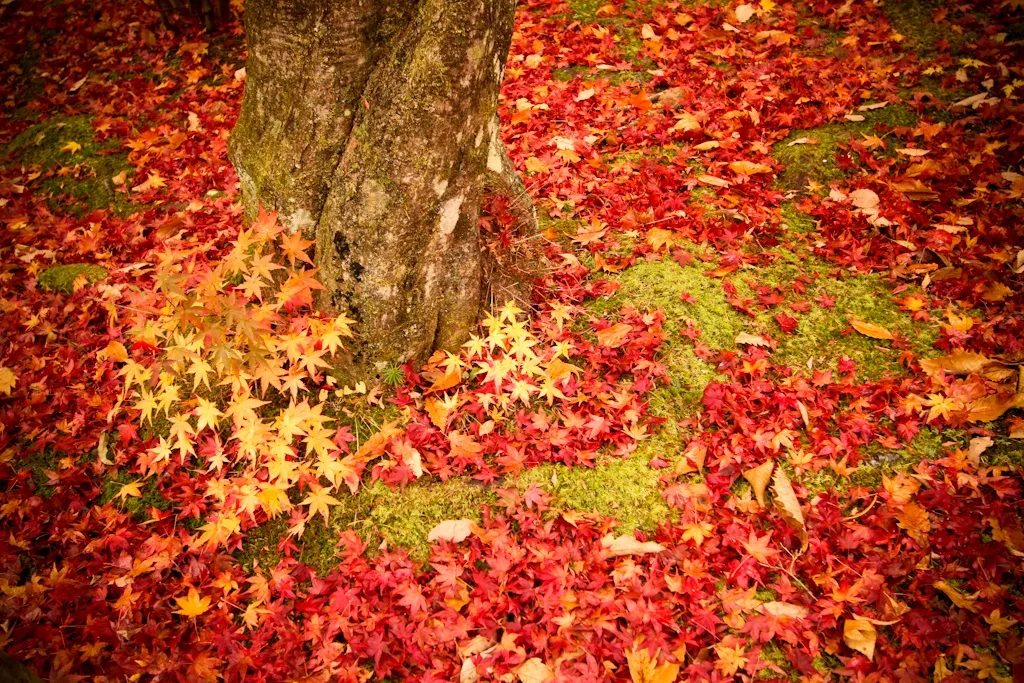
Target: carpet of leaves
918, 578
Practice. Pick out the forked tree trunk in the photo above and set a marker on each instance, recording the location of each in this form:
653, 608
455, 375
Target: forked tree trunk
370, 126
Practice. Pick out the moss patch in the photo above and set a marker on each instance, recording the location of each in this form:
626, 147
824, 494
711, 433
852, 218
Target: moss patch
136, 507
78, 181
817, 162
878, 462
62, 278
913, 20
626, 489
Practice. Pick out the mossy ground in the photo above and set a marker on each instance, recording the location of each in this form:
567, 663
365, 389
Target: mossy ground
75, 181
63, 278
817, 162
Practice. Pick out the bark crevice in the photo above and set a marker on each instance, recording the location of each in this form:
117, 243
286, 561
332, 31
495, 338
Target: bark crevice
376, 135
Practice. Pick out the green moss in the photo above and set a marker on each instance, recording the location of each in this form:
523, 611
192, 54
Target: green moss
591, 75
260, 545
772, 653
79, 190
40, 463
137, 507
817, 162
795, 221
62, 278
913, 20
658, 284
626, 489
879, 462
819, 333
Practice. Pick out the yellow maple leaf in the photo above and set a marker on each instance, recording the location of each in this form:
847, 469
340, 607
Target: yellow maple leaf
7, 380
71, 146
192, 605
320, 500
130, 489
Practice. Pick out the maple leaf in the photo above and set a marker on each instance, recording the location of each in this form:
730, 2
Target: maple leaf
192, 605
731, 656
7, 380
614, 336
860, 635
643, 668
319, 500
454, 530
534, 670
757, 547
759, 478
628, 545
131, 489
71, 147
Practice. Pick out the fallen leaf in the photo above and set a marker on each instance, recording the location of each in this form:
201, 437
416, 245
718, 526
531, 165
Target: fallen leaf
743, 167
454, 530
437, 411
645, 669
584, 95
449, 380
116, 351
860, 635
192, 605
7, 380
864, 199
956, 597
534, 670
803, 141
785, 609
870, 329
759, 477
130, 490
628, 545
957, 363
71, 147
992, 407
752, 339
787, 504
914, 519
613, 336
744, 12
713, 180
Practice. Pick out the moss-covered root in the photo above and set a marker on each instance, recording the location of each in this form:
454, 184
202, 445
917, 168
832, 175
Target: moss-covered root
63, 278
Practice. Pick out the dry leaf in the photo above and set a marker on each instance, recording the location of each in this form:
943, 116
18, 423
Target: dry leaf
803, 141
962, 601
787, 503
437, 411
628, 545
454, 530
713, 180
375, 445
613, 336
449, 380
644, 669
914, 519
860, 635
957, 363
534, 670
979, 445
752, 339
744, 12
759, 478
870, 329
785, 609
992, 407
864, 199
743, 167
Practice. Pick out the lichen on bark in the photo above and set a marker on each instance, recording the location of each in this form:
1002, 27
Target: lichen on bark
370, 126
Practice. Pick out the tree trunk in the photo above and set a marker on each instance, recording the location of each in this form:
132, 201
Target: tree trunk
370, 126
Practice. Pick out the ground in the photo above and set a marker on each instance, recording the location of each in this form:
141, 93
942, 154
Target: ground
764, 224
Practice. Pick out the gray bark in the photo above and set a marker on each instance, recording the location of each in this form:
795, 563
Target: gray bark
370, 126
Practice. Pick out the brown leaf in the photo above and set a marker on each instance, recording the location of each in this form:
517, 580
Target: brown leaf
628, 545
759, 477
534, 670
870, 329
449, 380
914, 519
692, 460
558, 369
660, 237
962, 601
860, 635
613, 336
787, 503
752, 339
454, 530
744, 167
992, 407
713, 180
864, 199
437, 411
957, 363
375, 445
645, 669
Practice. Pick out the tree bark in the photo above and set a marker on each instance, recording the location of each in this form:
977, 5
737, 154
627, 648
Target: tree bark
370, 126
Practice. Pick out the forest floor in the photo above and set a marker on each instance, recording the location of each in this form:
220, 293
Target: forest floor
762, 422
